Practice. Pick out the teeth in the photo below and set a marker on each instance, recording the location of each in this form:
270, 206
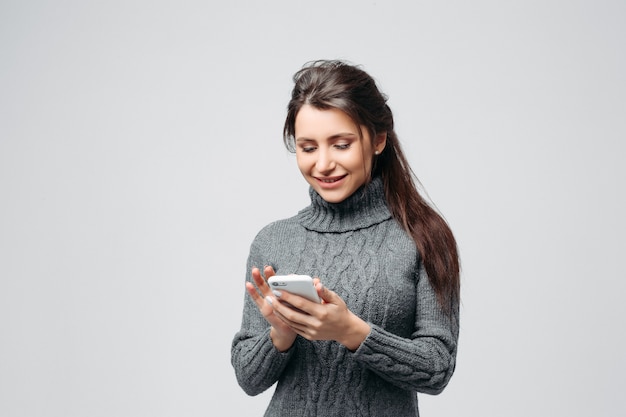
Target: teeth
329, 181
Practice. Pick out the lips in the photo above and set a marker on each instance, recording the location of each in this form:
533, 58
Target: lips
330, 180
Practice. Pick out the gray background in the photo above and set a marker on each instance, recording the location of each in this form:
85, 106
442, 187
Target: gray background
140, 152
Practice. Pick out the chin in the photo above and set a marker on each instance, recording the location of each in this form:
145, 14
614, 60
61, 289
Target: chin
332, 197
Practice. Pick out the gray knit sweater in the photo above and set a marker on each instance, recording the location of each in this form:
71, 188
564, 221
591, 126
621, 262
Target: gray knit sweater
359, 251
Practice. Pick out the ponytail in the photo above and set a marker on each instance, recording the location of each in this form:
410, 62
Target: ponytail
428, 229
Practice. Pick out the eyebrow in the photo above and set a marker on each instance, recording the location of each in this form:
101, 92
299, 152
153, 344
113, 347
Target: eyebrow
333, 137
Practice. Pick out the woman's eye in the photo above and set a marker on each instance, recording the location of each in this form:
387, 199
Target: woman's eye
342, 146
308, 149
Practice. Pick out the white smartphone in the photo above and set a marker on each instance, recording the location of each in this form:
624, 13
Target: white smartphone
295, 284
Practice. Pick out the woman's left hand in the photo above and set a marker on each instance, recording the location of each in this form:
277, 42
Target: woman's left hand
330, 320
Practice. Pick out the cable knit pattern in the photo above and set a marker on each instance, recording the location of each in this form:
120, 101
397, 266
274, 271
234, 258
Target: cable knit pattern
359, 251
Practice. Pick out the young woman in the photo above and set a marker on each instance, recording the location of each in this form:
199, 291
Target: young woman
386, 267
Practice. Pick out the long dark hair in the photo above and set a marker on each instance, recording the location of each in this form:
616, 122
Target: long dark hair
339, 85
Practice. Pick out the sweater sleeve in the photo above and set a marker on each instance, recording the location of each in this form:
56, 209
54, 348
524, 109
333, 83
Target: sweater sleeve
255, 359
424, 362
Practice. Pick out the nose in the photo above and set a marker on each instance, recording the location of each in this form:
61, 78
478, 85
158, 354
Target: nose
325, 162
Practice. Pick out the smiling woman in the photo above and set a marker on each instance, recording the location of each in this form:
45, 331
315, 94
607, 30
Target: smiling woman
385, 265
332, 156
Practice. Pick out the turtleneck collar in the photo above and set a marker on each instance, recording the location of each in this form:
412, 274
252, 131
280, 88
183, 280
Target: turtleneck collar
365, 208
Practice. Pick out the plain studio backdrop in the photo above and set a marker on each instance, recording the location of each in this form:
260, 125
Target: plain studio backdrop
141, 151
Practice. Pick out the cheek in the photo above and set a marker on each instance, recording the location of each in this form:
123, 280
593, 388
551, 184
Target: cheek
360, 163
303, 162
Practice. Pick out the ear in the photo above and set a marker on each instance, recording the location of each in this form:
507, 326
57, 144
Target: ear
380, 142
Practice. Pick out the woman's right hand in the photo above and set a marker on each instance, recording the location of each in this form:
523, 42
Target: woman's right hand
281, 334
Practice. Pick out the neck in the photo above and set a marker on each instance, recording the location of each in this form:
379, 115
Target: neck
364, 208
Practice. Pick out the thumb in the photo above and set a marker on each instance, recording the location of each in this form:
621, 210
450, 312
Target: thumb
325, 294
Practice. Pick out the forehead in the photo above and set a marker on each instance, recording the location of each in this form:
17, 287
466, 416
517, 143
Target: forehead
312, 122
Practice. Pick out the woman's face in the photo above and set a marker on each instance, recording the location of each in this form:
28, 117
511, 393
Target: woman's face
331, 155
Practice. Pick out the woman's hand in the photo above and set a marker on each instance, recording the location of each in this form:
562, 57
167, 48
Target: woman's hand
330, 320
281, 333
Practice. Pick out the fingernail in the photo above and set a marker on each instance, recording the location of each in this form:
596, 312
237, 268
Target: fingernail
269, 300
277, 293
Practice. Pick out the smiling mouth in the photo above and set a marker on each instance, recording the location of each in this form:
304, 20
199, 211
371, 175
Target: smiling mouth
330, 180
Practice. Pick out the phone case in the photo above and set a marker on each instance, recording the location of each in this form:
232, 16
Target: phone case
295, 284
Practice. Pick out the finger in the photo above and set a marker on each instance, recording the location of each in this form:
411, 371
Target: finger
305, 331
268, 271
256, 275
328, 296
280, 311
254, 293
288, 319
319, 287
260, 282
293, 308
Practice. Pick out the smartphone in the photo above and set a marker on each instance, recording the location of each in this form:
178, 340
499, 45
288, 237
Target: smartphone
295, 284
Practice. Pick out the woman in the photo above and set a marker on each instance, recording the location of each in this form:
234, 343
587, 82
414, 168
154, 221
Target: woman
386, 267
